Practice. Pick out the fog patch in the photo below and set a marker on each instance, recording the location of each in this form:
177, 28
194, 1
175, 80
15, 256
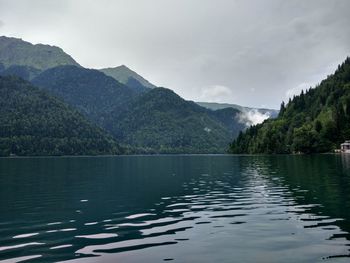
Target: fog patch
252, 117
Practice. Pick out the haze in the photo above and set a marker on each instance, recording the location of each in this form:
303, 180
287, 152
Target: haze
252, 53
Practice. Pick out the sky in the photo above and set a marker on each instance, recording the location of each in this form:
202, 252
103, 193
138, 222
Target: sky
249, 52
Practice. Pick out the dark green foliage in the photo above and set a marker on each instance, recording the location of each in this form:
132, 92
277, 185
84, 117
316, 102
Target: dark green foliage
136, 85
24, 72
156, 121
91, 92
229, 118
149, 122
317, 120
162, 122
14, 51
34, 123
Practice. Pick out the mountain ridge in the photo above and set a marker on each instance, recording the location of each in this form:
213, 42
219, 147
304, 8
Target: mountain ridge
124, 74
15, 51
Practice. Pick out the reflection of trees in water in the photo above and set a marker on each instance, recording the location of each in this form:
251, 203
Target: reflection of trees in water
314, 179
345, 158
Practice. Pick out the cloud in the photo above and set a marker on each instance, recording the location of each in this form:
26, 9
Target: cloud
252, 117
1, 23
259, 50
216, 93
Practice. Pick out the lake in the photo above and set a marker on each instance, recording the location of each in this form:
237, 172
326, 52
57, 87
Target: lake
181, 208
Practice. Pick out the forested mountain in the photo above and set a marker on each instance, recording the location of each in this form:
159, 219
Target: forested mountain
24, 72
230, 119
126, 76
154, 121
35, 123
317, 120
91, 92
136, 113
161, 121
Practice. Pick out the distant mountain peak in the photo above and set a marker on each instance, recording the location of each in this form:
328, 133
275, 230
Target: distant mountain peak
15, 51
123, 74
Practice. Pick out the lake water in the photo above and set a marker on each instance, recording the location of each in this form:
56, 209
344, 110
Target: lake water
209, 208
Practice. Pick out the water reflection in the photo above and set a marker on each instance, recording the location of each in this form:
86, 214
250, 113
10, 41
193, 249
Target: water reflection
181, 208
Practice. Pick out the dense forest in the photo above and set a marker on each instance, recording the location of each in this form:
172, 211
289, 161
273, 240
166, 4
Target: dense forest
89, 91
316, 121
161, 121
152, 121
137, 114
34, 123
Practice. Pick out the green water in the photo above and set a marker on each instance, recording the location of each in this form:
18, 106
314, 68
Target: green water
208, 208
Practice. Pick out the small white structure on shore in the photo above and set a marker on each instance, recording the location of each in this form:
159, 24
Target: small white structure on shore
345, 147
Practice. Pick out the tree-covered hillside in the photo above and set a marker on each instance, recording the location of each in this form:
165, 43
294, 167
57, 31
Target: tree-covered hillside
230, 119
161, 121
91, 92
15, 51
24, 72
154, 121
317, 120
35, 123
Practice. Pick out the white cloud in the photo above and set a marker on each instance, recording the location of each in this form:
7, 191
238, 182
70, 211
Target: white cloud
252, 117
216, 93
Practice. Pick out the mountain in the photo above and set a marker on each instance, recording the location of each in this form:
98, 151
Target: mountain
90, 91
160, 121
121, 102
24, 72
128, 77
35, 123
317, 120
230, 118
218, 106
15, 51
156, 121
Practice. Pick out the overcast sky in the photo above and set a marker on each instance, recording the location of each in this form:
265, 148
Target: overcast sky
253, 53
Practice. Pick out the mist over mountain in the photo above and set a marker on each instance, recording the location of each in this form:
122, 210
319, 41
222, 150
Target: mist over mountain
248, 116
315, 121
161, 121
157, 121
140, 116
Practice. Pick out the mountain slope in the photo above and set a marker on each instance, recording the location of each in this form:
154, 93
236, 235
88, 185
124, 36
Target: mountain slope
155, 121
15, 51
317, 120
24, 72
34, 123
160, 121
91, 92
126, 76
230, 118
218, 106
